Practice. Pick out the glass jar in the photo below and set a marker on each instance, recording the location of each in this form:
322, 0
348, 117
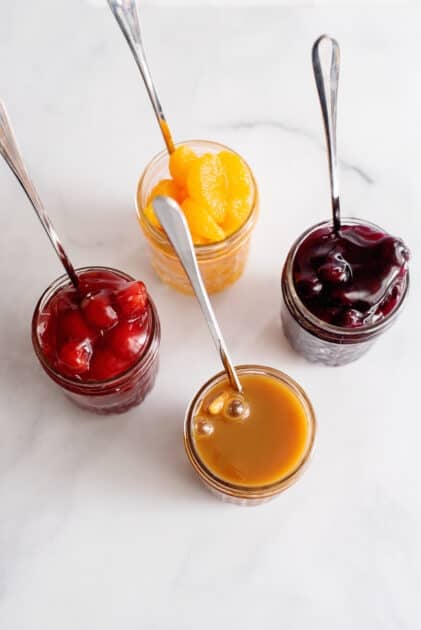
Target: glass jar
114, 395
317, 340
220, 263
243, 495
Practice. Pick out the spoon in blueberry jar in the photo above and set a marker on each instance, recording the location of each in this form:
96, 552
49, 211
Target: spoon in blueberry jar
345, 279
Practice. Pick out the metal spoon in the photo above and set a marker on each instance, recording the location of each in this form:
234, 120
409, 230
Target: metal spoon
329, 115
175, 225
128, 20
12, 156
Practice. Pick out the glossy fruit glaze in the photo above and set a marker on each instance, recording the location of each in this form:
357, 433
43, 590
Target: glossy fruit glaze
214, 190
97, 332
351, 279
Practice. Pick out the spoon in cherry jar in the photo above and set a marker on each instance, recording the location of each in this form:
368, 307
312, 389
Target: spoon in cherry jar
175, 225
10, 152
329, 84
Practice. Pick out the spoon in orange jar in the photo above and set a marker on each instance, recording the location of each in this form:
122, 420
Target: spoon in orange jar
175, 225
125, 13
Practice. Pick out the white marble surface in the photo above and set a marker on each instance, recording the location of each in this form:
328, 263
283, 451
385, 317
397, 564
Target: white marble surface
102, 522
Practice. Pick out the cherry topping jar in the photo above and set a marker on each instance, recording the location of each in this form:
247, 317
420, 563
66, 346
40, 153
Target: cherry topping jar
100, 394
346, 338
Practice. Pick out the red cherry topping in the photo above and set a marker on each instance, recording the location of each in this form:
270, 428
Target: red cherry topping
132, 300
46, 332
98, 311
71, 325
127, 339
106, 365
97, 332
74, 357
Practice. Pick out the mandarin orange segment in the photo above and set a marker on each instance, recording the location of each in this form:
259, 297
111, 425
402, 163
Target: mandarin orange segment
201, 222
165, 187
199, 240
239, 182
231, 223
182, 194
180, 162
237, 213
206, 184
214, 191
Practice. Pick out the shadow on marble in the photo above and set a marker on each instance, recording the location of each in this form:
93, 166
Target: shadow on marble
139, 453
259, 315
162, 452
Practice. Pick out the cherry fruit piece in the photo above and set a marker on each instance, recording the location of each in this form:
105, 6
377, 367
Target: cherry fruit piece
98, 311
132, 300
74, 357
127, 339
73, 326
105, 365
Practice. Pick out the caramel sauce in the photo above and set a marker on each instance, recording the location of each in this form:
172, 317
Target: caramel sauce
260, 450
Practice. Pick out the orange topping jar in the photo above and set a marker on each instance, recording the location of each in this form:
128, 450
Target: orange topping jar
221, 263
251, 460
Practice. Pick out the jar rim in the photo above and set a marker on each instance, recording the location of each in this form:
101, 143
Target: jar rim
46, 296
201, 249
320, 324
243, 491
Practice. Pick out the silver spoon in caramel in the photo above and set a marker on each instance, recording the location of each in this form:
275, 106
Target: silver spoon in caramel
10, 152
175, 225
125, 13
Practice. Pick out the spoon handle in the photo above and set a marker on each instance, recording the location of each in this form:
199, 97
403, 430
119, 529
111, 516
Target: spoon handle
329, 115
11, 154
175, 225
125, 13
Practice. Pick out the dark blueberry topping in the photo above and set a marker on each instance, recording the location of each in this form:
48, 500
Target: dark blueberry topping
353, 278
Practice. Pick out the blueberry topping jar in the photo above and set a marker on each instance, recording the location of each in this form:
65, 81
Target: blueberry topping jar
342, 290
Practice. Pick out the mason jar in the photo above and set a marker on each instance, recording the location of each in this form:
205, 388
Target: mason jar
221, 263
317, 340
240, 494
114, 395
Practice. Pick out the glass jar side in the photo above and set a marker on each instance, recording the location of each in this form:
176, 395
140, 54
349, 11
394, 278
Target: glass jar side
317, 340
221, 263
115, 395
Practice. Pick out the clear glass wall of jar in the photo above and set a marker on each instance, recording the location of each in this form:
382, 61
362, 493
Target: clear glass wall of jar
243, 495
115, 395
221, 263
317, 340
